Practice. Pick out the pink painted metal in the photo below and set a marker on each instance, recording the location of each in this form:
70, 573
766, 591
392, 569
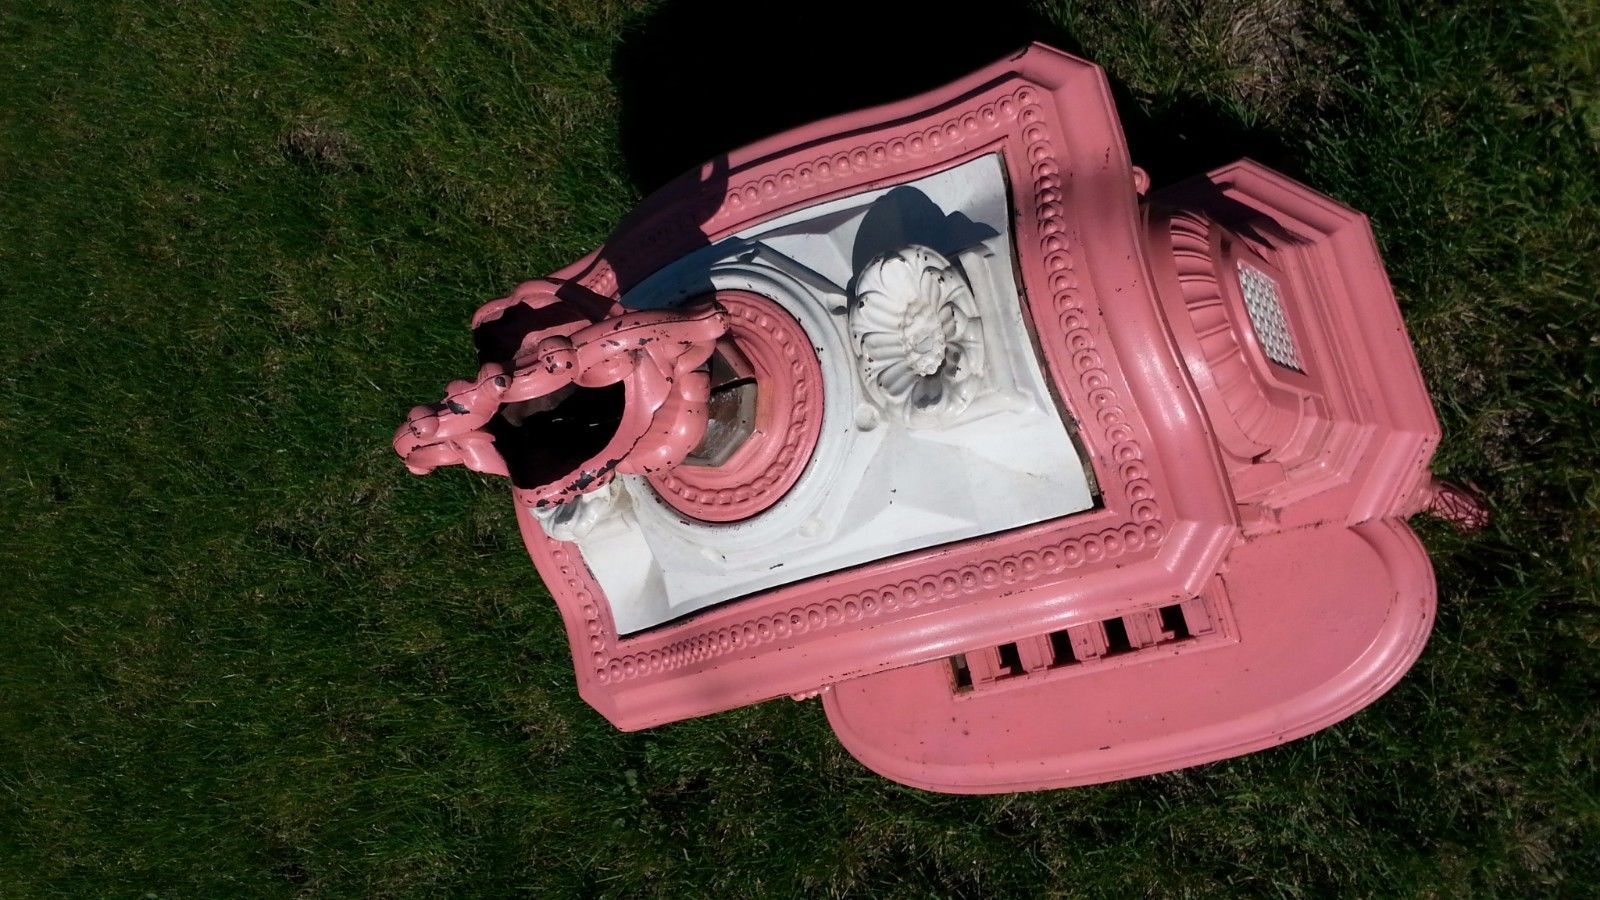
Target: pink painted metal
1243, 390
654, 356
772, 350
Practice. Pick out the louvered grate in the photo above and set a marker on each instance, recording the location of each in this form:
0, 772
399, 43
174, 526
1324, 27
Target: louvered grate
1121, 639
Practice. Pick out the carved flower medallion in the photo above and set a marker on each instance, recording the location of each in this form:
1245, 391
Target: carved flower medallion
917, 336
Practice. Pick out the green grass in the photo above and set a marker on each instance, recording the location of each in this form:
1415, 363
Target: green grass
246, 654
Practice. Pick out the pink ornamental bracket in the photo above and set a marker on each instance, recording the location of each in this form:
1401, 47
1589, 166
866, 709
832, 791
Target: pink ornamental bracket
653, 363
1036, 477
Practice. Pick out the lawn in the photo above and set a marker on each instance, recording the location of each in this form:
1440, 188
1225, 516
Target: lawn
247, 654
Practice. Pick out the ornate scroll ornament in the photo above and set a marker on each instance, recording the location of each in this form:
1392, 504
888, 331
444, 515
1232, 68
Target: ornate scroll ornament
656, 356
917, 336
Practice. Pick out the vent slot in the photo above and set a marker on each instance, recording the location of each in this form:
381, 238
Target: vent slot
1109, 642
1173, 622
1116, 637
1010, 661
1061, 649
962, 674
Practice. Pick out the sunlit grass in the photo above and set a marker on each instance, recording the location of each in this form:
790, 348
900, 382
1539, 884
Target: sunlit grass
246, 654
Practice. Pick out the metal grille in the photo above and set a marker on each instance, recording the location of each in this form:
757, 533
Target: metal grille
1265, 305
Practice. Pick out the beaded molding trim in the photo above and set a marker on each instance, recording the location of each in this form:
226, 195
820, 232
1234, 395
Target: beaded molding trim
867, 157
803, 178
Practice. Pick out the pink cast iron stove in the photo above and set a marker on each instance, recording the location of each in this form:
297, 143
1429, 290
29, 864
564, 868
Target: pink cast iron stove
1037, 480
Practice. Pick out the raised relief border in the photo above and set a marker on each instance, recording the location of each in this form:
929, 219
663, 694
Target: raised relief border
1020, 123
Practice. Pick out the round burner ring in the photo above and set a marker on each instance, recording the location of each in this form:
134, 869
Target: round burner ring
788, 418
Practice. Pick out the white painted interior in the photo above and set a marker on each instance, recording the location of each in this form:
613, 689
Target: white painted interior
875, 487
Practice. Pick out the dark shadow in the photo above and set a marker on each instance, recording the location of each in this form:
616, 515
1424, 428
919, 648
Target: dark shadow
555, 442
699, 78
906, 216
1203, 195
664, 226
1174, 145
499, 339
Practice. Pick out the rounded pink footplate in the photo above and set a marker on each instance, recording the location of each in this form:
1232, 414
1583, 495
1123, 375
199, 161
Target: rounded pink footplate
788, 418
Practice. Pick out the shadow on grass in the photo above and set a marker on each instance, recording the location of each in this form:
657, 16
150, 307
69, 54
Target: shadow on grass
698, 78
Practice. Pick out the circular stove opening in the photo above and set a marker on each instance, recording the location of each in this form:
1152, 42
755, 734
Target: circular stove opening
764, 416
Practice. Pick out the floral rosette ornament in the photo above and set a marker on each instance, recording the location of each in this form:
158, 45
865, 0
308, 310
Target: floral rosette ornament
917, 336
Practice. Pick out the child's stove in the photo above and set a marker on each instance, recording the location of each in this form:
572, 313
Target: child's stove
1038, 480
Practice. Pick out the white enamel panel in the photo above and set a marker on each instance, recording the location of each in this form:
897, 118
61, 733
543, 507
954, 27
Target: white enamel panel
876, 486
